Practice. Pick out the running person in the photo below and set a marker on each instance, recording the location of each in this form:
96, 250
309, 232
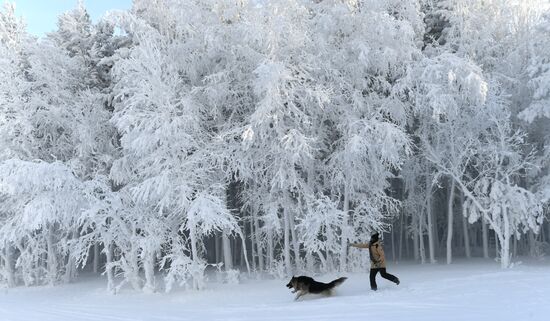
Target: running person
378, 261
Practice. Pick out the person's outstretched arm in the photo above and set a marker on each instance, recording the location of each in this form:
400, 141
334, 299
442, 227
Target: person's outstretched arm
360, 245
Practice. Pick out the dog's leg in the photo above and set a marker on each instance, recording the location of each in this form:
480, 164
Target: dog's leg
300, 293
294, 291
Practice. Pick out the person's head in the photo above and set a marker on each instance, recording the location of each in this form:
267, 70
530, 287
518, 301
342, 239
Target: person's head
374, 237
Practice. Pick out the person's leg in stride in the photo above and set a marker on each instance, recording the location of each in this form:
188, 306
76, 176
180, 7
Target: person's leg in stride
372, 277
387, 276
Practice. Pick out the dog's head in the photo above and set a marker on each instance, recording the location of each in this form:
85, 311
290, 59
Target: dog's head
291, 283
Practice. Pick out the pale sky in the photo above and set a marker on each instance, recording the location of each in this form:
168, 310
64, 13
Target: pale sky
41, 15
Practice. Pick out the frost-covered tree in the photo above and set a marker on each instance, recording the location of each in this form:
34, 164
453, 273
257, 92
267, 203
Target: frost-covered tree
12, 28
44, 201
74, 31
277, 140
321, 131
496, 196
448, 94
54, 115
539, 74
537, 113
14, 125
365, 140
163, 115
486, 163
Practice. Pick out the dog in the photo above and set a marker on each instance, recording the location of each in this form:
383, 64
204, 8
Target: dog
304, 285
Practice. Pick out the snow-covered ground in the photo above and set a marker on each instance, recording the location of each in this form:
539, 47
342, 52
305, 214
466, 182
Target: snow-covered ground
462, 291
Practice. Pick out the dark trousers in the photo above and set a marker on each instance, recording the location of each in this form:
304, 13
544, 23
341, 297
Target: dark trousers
383, 273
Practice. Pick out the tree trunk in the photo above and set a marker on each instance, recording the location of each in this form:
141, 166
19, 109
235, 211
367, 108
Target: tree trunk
9, 266
227, 257
505, 252
109, 268
234, 252
497, 250
42, 273
421, 238
450, 223
393, 256
485, 236
70, 267
286, 239
430, 223
514, 251
132, 262
505, 247
241, 250
270, 254
95, 265
253, 253
401, 236
310, 261
244, 253
532, 244
437, 241
416, 247
194, 256
218, 247
295, 244
465, 230
324, 265
52, 259
407, 244
344, 239
148, 261
466, 237
133, 268
259, 249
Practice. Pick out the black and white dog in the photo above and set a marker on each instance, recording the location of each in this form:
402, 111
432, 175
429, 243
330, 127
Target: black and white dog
305, 284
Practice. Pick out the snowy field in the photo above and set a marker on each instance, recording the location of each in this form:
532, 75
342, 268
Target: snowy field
468, 291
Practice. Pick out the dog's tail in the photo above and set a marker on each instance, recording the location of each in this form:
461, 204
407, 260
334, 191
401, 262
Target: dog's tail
336, 282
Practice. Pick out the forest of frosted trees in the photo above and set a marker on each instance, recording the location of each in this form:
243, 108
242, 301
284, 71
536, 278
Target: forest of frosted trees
181, 138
